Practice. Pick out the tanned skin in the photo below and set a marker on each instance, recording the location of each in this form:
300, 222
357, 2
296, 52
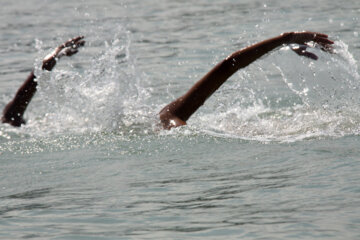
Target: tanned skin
14, 110
179, 111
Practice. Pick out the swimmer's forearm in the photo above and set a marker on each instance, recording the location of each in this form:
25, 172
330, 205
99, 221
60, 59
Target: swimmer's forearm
14, 110
239, 59
186, 105
247, 55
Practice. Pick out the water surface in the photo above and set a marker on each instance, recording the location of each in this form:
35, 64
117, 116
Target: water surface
272, 155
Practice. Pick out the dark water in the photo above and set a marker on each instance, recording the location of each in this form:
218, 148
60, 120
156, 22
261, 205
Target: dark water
272, 155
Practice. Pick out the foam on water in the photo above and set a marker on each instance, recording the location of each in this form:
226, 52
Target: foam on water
287, 100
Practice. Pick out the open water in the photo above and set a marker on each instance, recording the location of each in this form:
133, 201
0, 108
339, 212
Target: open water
274, 154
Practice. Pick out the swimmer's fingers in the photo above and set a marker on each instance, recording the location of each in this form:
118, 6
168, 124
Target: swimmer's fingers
70, 47
323, 40
325, 44
74, 42
305, 37
327, 48
301, 51
311, 39
69, 52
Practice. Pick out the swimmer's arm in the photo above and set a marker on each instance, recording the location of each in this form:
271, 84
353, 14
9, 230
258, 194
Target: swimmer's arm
15, 109
68, 48
178, 112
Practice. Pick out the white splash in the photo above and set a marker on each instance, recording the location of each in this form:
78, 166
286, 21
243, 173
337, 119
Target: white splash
284, 101
315, 100
103, 94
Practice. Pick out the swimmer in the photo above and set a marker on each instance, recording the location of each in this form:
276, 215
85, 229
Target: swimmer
176, 113
14, 110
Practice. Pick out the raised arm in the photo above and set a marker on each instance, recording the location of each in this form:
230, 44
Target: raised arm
14, 110
178, 112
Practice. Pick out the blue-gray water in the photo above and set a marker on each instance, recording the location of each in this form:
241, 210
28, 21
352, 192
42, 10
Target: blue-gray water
274, 154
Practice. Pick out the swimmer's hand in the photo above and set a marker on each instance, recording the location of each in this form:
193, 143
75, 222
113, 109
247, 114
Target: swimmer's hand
68, 48
301, 51
309, 39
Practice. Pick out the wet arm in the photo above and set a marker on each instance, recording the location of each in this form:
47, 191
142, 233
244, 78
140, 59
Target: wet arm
178, 112
15, 109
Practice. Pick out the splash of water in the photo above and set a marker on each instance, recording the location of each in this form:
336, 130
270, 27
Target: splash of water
284, 101
104, 94
311, 100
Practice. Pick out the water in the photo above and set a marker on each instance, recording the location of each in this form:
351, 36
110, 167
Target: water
272, 155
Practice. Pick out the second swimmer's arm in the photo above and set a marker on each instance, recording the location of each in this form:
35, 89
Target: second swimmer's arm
178, 112
15, 109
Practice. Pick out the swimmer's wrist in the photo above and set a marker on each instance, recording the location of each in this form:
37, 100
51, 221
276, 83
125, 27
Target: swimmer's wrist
50, 60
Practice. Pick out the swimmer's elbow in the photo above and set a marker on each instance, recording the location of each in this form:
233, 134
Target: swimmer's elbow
15, 122
169, 120
11, 117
